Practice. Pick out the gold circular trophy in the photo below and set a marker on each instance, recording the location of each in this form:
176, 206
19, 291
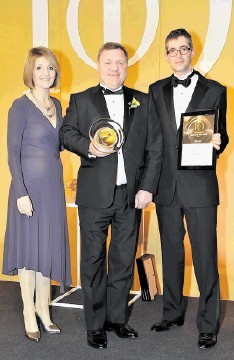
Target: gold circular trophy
106, 135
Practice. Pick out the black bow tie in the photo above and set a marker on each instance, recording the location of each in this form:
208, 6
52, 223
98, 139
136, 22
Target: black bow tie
186, 82
110, 92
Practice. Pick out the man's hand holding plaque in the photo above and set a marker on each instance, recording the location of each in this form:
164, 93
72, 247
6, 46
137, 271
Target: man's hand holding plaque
216, 141
198, 138
106, 137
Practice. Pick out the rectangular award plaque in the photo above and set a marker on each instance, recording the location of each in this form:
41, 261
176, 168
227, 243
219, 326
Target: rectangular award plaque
195, 148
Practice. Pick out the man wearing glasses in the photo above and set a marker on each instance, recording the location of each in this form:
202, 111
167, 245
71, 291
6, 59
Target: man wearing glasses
187, 194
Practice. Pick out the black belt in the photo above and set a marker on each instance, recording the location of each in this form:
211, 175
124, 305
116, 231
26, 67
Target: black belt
122, 186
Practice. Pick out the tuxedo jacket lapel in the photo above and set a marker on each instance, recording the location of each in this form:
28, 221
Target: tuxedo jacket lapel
128, 113
169, 104
198, 95
100, 103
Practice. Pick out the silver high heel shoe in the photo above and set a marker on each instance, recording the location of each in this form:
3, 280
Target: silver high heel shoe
50, 329
33, 336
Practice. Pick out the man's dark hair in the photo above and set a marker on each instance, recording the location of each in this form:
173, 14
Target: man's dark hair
174, 34
111, 46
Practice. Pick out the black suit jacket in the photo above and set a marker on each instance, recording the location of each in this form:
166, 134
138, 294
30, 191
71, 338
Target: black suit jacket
97, 178
196, 188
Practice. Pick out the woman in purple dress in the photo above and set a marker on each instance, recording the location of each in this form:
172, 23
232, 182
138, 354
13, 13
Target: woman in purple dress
36, 241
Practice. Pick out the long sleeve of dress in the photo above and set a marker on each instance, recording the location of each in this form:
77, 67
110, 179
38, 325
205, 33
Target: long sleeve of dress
17, 120
70, 136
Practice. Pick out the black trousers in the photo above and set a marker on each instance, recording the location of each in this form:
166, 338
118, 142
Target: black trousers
201, 226
105, 294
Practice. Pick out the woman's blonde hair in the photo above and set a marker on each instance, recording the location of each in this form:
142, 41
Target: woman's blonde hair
34, 54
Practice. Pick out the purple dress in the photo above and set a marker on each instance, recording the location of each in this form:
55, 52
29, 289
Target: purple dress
39, 242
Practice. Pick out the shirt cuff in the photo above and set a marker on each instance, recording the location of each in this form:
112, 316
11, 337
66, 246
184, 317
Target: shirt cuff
91, 156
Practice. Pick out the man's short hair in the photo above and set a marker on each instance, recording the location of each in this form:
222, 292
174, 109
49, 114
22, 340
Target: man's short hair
174, 34
111, 46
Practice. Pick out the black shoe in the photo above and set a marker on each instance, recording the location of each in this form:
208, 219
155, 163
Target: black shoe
122, 330
97, 338
164, 325
207, 340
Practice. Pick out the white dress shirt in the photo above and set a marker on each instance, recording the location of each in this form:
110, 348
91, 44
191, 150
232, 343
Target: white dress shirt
115, 106
182, 97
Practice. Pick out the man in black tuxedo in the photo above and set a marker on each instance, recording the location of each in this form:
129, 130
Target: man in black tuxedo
189, 194
111, 190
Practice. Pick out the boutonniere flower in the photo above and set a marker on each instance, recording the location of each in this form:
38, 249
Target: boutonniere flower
133, 104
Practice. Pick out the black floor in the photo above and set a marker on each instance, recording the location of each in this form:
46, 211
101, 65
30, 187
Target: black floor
177, 343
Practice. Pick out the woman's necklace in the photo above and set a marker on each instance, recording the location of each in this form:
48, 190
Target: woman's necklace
48, 111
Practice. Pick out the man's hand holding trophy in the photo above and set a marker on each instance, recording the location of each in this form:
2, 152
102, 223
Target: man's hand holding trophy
106, 137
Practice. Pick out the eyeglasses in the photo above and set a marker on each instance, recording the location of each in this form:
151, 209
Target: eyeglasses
183, 51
